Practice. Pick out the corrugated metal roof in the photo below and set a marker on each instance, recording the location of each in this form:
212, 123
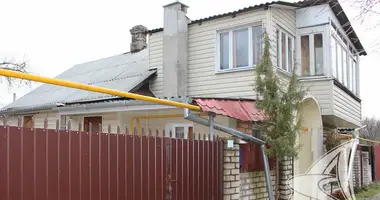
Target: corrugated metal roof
334, 4
239, 109
121, 72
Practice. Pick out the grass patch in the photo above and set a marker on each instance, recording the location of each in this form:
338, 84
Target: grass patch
369, 191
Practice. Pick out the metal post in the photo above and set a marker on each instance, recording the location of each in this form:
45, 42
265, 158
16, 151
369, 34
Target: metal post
211, 115
267, 175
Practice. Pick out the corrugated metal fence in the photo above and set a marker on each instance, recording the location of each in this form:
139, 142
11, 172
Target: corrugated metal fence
46, 164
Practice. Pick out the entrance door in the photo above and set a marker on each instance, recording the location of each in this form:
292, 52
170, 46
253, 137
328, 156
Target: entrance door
95, 122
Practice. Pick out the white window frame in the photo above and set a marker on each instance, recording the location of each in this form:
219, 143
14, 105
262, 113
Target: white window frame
171, 127
311, 32
230, 30
346, 47
279, 30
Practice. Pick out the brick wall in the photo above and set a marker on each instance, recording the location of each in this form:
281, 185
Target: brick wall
231, 173
367, 175
252, 184
356, 175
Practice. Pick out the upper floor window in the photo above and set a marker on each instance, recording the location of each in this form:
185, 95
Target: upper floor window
343, 60
312, 54
239, 48
285, 50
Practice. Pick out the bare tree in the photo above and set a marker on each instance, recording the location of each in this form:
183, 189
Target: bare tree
372, 130
14, 66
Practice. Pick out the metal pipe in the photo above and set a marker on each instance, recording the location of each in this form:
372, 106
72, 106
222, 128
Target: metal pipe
267, 175
81, 86
205, 122
219, 127
211, 115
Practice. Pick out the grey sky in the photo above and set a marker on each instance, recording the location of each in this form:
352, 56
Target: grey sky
55, 35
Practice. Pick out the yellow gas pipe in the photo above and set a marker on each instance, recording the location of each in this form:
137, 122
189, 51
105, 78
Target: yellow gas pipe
137, 118
81, 86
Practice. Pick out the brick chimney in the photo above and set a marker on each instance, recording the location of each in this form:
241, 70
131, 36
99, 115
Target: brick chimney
175, 50
138, 33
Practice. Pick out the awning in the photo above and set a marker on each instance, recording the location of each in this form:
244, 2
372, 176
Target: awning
244, 110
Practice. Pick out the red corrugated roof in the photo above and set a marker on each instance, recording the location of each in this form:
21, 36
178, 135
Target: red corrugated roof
244, 110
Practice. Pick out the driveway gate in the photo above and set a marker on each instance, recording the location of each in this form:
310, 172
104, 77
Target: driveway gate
44, 164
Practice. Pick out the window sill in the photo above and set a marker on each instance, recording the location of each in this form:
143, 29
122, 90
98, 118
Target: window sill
314, 78
234, 70
286, 73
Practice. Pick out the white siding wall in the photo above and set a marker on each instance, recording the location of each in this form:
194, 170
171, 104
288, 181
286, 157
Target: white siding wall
202, 79
156, 61
345, 107
284, 19
322, 90
39, 120
160, 124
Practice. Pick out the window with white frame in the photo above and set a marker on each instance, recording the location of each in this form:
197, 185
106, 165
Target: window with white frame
180, 131
239, 48
285, 50
312, 58
343, 60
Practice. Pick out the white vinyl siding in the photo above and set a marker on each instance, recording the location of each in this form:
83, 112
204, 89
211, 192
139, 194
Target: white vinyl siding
345, 107
322, 90
202, 79
283, 19
156, 61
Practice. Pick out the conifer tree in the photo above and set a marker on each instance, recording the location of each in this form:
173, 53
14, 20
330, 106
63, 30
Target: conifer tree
280, 103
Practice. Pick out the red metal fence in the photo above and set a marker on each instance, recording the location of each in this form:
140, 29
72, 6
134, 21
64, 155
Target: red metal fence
47, 164
376, 163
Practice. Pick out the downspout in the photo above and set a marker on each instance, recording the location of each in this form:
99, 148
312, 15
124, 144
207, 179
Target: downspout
189, 116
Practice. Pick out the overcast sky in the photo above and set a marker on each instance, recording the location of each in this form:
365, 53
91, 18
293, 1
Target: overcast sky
55, 35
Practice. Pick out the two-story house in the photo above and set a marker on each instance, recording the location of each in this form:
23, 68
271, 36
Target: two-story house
211, 62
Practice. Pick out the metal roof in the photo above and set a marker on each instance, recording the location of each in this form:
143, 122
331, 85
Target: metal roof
239, 109
334, 4
123, 72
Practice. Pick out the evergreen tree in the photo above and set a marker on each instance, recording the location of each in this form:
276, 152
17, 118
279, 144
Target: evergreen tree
279, 102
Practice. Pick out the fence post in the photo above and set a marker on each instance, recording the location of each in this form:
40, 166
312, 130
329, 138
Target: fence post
231, 172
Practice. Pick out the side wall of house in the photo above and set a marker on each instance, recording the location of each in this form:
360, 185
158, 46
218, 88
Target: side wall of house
346, 107
280, 18
322, 90
203, 81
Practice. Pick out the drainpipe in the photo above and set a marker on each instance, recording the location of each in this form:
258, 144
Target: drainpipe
205, 122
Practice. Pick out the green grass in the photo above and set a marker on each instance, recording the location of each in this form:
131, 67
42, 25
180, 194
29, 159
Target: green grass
369, 191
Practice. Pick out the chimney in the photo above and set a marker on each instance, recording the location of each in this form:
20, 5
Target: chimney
138, 33
14, 97
175, 50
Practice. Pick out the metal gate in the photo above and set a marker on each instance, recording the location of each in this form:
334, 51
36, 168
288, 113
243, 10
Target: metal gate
44, 164
376, 163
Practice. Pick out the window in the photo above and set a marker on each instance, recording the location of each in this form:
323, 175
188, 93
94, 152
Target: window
180, 131
239, 48
28, 122
224, 51
333, 59
305, 55
312, 53
285, 50
343, 60
95, 124
318, 54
